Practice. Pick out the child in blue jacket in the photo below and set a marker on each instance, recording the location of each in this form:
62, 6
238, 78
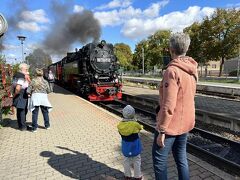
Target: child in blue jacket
131, 144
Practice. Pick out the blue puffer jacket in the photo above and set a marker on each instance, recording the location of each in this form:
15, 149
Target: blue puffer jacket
131, 145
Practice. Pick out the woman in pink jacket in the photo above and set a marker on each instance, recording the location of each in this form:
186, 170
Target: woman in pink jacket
177, 110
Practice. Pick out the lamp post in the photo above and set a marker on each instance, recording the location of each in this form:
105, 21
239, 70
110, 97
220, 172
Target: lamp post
143, 60
238, 64
22, 38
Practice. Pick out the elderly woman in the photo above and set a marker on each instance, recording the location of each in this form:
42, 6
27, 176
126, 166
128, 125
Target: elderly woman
38, 89
176, 116
20, 98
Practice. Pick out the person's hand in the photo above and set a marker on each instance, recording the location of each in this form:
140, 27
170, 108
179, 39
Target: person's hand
160, 140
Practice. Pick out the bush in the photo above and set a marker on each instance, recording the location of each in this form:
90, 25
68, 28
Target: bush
233, 73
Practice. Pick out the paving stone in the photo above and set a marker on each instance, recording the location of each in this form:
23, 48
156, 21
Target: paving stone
83, 142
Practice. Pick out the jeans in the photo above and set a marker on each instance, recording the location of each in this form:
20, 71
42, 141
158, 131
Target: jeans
51, 85
160, 156
21, 118
35, 117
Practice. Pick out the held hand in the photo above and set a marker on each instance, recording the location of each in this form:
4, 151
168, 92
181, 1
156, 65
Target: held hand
160, 140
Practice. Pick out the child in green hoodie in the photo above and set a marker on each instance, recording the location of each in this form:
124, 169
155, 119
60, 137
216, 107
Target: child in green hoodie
131, 144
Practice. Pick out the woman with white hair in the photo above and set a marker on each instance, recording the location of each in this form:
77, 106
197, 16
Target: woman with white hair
20, 98
38, 90
176, 116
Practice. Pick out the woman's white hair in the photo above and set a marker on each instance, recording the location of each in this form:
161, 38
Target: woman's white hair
23, 65
180, 42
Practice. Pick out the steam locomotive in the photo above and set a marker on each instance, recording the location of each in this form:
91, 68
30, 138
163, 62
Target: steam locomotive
91, 71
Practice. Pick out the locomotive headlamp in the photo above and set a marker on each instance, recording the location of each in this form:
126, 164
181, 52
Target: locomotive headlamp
96, 76
103, 42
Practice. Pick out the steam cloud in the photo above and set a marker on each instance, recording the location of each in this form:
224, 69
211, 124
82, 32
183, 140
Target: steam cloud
69, 28
13, 19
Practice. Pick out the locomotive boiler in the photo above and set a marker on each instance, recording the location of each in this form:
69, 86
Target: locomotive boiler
91, 71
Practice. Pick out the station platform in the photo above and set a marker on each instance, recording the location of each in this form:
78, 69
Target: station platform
83, 143
218, 105
231, 89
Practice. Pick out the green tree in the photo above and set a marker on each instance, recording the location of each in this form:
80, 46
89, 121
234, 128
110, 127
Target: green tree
155, 48
137, 55
221, 34
124, 55
39, 59
198, 48
2, 59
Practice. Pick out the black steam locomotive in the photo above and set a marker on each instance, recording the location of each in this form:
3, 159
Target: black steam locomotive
91, 71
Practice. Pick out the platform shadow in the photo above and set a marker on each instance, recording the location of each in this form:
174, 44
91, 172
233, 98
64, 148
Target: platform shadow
12, 123
60, 90
80, 166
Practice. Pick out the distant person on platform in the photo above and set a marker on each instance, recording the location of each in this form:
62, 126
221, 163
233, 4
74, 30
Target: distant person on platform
38, 90
131, 144
20, 97
51, 80
176, 116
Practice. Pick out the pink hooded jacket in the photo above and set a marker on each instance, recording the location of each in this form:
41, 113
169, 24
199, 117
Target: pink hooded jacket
177, 91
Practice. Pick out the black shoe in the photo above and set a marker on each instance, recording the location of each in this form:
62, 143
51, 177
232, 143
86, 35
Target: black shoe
23, 129
29, 128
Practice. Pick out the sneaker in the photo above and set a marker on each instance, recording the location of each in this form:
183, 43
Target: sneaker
29, 128
47, 127
34, 130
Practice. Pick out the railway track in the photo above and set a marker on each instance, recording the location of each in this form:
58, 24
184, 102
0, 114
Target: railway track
216, 150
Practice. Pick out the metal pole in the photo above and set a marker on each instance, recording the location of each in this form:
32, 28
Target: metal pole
22, 51
142, 60
238, 64
22, 38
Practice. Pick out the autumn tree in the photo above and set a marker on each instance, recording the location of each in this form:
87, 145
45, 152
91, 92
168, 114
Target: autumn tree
124, 55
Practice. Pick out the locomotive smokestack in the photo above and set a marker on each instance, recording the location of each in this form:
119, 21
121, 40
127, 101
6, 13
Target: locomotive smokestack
71, 27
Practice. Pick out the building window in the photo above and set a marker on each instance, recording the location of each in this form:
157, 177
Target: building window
214, 66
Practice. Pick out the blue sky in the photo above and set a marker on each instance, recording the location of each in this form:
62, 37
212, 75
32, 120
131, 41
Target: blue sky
127, 21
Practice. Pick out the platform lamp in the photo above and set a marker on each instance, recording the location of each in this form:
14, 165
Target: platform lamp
143, 61
238, 63
22, 38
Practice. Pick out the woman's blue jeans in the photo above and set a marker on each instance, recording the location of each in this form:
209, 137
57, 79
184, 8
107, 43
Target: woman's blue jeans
160, 156
35, 117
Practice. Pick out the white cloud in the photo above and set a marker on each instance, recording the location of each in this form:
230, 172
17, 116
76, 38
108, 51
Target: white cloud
175, 21
11, 56
116, 17
78, 8
10, 47
237, 5
138, 23
30, 26
36, 16
115, 4
154, 9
